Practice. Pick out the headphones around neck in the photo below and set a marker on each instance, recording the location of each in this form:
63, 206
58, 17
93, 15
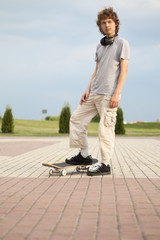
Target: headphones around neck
108, 40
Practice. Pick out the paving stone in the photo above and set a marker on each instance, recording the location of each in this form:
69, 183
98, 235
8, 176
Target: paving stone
123, 205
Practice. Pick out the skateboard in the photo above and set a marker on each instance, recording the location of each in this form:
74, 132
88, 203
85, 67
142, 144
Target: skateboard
62, 167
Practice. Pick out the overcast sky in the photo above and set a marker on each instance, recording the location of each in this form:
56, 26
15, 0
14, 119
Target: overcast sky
47, 51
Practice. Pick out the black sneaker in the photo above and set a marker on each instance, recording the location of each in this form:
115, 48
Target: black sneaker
79, 160
99, 169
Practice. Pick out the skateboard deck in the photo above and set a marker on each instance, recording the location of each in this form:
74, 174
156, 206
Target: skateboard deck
62, 167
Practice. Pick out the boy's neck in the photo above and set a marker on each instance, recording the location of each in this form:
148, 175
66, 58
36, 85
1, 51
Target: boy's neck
112, 35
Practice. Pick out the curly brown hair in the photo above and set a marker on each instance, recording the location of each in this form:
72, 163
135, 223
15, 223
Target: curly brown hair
107, 13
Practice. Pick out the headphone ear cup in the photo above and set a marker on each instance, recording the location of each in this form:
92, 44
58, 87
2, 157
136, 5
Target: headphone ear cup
108, 41
103, 42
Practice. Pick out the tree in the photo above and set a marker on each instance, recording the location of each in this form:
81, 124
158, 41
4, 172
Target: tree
119, 128
7, 121
96, 118
64, 119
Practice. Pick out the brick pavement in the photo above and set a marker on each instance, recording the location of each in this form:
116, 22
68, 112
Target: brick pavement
122, 206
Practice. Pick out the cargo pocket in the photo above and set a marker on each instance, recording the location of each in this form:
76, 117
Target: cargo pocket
110, 117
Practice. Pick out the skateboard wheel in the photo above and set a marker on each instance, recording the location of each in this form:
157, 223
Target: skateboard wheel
51, 172
63, 172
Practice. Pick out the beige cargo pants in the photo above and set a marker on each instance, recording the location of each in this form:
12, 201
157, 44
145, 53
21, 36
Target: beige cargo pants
81, 118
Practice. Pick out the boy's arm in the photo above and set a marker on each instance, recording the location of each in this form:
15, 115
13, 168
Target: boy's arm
85, 96
121, 80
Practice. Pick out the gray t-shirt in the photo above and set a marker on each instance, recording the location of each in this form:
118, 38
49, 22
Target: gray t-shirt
108, 59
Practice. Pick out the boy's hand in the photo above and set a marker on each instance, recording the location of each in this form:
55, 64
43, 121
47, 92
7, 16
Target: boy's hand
114, 102
84, 97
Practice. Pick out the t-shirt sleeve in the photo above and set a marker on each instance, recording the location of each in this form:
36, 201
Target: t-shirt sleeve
125, 52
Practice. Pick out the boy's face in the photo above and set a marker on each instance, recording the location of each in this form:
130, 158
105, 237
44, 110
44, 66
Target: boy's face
108, 27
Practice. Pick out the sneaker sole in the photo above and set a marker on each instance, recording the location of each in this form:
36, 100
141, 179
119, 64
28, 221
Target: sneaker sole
97, 174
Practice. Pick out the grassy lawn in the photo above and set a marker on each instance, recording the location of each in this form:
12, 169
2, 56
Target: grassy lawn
143, 129
34, 128
137, 129
50, 128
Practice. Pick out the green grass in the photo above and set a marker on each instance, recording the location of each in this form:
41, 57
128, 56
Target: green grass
50, 128
143, 129
34, 128
136, 129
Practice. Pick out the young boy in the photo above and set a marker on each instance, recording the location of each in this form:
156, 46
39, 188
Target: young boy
102, 95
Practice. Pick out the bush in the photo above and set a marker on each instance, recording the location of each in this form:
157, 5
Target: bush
48, 118
119, 128
96, 118
64, 119
52, 118
7, 121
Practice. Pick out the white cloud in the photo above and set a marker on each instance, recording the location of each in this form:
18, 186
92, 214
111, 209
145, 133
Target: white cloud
138, 5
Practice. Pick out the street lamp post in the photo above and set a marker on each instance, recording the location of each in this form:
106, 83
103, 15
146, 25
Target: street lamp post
44, 111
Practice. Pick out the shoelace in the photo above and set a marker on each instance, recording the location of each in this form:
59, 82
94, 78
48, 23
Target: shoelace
75, 156
95, 167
